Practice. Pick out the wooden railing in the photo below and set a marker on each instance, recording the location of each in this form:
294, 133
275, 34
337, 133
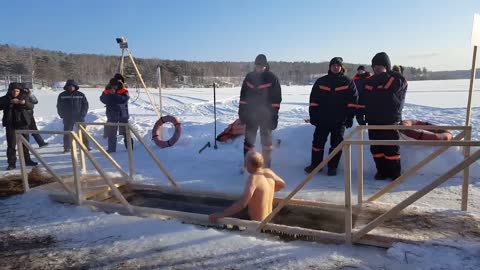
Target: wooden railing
346, 146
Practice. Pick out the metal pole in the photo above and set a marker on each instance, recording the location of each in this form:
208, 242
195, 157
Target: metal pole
159, 83
215, 116
472, 83
122, 62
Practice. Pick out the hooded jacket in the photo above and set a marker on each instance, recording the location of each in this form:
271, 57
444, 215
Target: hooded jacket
16, 115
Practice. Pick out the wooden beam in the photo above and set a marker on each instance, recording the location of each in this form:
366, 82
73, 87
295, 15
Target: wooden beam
23, 167
360, 170
400, 127
466, 174
416, 196
103, 152
412, 170
128, 137
348, 193
82, 155
423, 143
155, 159
76, 178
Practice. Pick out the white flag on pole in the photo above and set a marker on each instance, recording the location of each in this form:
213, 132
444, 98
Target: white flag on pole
476, 30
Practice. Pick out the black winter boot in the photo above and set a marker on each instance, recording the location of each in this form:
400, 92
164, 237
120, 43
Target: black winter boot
317, 158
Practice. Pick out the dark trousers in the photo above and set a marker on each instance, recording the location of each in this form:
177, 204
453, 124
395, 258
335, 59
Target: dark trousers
265, 139
111, 133
37, 137
11, 145
386, 157
68, 126
320, 136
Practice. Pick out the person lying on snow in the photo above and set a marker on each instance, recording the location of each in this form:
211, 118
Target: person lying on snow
259, 191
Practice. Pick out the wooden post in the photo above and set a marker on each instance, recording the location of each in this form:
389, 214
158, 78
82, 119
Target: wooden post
159, 83
23, 167
466, 172
45, 164
360, 170
413, 170
155, 159
348, 193
416, 196
82, 155
152, 101
76, 177
472, 83
128, 137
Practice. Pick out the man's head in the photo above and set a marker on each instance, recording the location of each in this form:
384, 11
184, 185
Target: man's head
71, 86
361, 69
14, 89
114, 84
336, 65
381, 63
261, 63
254, 161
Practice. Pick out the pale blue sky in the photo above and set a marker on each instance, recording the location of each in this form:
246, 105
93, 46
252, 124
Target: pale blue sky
431, 33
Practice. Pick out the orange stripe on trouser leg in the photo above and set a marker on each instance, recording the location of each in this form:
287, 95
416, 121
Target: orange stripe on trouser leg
379, 155
314, 149
396, 157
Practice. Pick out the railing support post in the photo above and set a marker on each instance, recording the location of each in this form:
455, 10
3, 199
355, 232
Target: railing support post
23, 167
360, 169
466, 171
348, 193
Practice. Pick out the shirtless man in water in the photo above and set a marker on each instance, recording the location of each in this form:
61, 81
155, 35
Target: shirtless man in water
259, 191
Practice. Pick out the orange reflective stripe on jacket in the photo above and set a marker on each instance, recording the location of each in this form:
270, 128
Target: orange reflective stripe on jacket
313, 104
389, 83
314, 149
356, 106
368, 87
250, 85
396, 157
118, 92
275, 105
379, 155
355, 78
266, 85
243, 102
342, 88
324, 88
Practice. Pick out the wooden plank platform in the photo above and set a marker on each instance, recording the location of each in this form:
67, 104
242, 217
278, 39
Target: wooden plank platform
93, 186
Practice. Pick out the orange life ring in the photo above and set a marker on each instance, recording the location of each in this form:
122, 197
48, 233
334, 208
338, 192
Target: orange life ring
157, 128
425, 134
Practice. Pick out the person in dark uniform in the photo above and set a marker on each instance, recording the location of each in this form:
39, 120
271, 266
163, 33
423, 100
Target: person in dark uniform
360, 77
260, 99
333, 101
115, 97
383, 101
15, 105
72, 107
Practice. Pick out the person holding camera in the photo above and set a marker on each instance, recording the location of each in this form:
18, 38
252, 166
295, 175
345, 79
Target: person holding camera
15, 105
115, 97
333, 100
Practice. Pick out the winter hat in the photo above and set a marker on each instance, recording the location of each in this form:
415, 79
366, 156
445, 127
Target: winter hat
336, 60
382, 59
119, 77
261, 60
361, 67
71, 83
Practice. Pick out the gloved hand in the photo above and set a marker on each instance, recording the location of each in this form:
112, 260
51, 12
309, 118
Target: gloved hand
361, 120
274, 119
349, 122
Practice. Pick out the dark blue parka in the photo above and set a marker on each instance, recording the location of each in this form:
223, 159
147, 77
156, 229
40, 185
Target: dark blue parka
72, 105
260, 99
383, 98
117, 105
333, 99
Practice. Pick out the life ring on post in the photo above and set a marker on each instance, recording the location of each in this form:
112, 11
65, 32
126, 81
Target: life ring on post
425, 134
158, 127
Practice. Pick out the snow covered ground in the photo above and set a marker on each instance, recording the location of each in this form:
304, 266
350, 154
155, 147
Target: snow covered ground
90, 239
